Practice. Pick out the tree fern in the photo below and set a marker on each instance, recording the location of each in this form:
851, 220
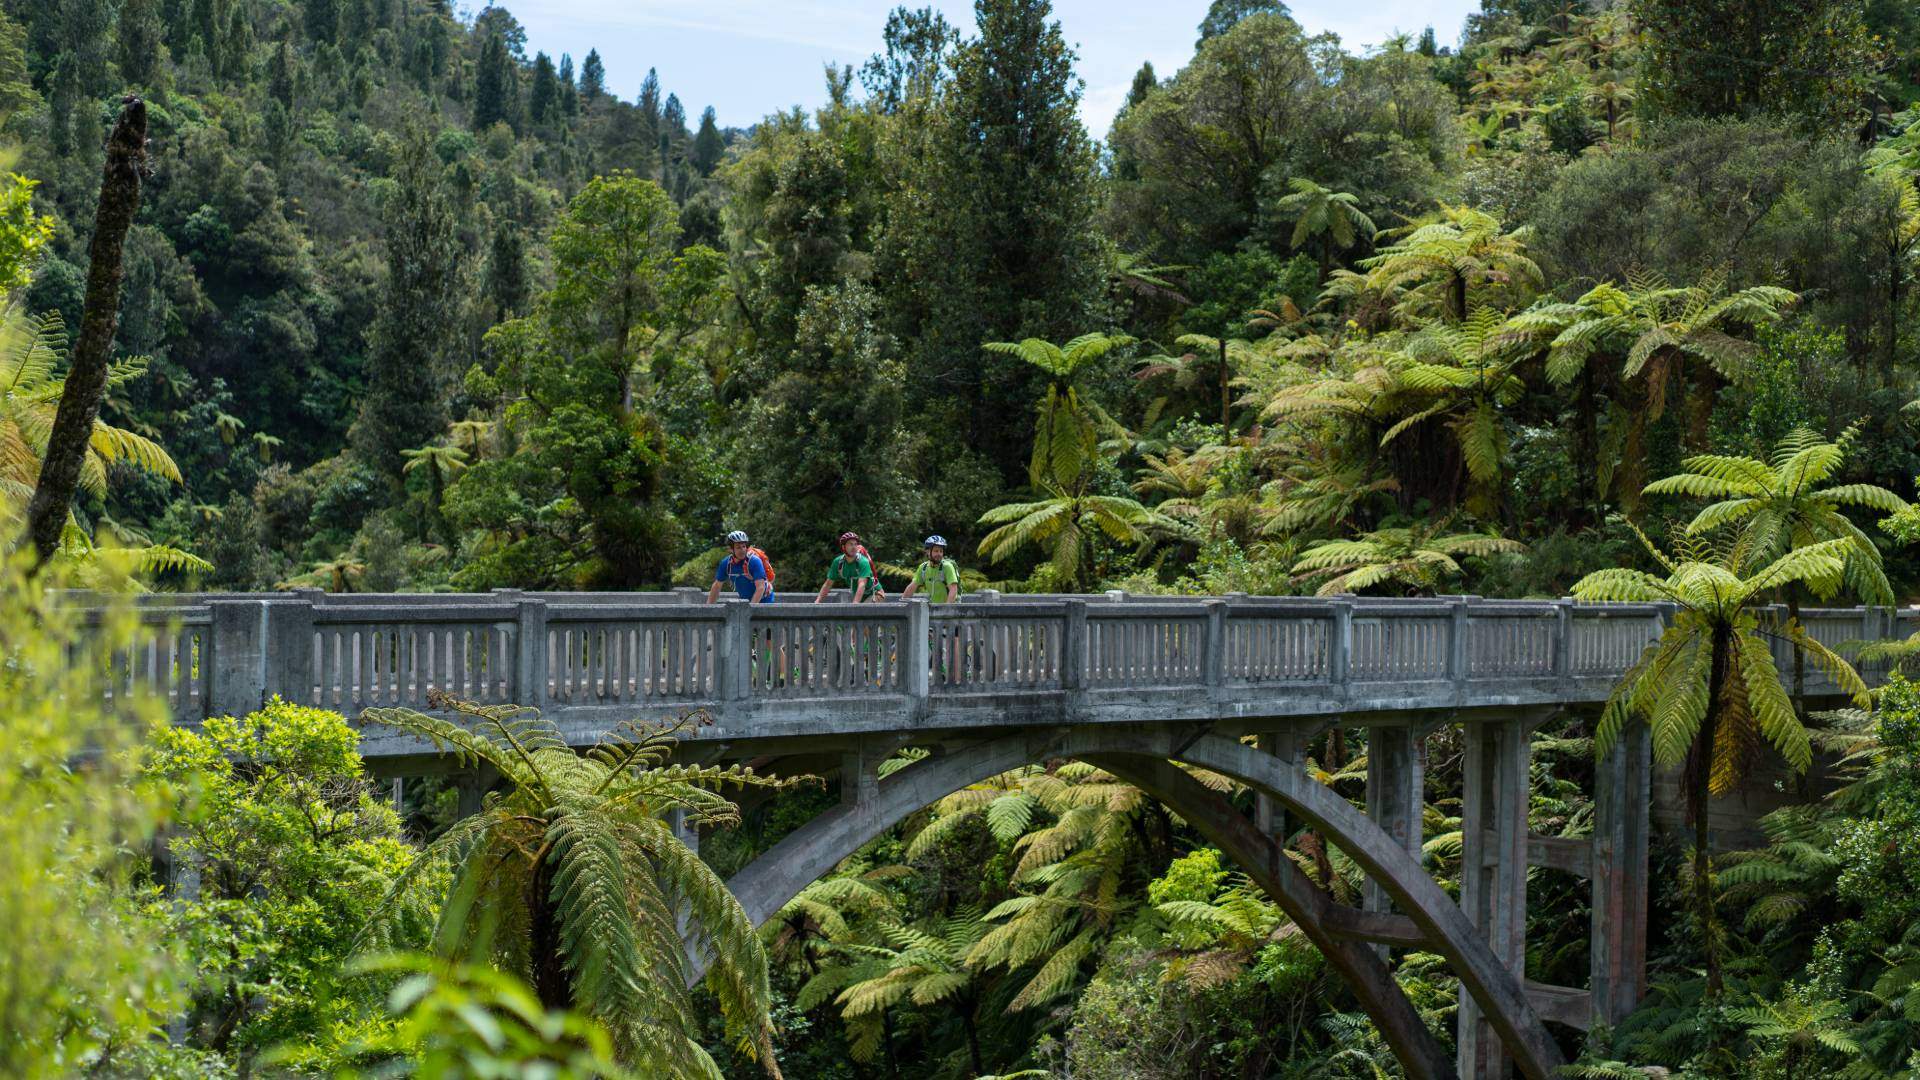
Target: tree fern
575, 881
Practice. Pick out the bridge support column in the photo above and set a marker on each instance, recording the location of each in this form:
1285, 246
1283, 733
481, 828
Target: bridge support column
859, 776
1396, 788
1493, 872
1622, 790
1268, 814
471, 787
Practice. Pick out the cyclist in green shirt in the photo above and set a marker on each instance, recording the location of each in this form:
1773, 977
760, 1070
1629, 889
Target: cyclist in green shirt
853, 569
939, 576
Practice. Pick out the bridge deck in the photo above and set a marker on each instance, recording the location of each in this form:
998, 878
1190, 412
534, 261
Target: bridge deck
804, 671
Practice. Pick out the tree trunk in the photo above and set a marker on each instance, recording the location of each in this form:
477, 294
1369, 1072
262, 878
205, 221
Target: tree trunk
545, 951
1589, 469
1702, 779
1226, 395
1799, 663
1707, 385
87, 379
973, 1039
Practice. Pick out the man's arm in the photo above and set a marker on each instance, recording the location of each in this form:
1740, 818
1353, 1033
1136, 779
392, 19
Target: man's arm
953, 591
759, 590
713, 594
825, 587
859, 590
913, 585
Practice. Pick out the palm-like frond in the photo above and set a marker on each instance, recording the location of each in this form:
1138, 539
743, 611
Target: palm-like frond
577, 856
31, 351
1414, 558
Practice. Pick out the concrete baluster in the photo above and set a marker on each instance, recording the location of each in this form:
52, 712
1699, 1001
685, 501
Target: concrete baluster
1340, 643
1214, 656
1458, 637
1563, 640
1073, 647
736, 651
916, 663
290, 647
239, 656
530, 653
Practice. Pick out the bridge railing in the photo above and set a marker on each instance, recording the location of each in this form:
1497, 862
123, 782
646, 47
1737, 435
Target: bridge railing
226, 653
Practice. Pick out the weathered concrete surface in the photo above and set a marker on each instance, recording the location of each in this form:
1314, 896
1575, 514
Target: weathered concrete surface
993, 683
815, 848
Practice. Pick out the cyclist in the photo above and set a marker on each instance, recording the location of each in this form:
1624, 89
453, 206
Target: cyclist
938, 576
854, 569
745, 567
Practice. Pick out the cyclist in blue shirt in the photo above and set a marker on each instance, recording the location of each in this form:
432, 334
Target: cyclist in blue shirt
746, 568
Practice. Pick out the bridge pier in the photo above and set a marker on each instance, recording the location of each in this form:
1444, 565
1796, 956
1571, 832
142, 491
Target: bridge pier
1396, 796
1493, 872
1622, 785
1268, 813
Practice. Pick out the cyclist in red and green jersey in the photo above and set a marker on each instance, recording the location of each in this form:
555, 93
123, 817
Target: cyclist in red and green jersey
854, 570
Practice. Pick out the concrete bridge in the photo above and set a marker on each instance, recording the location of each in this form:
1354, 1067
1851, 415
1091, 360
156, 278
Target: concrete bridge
1237, 685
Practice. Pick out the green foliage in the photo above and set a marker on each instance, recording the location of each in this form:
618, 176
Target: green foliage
1779, 506
1715, 628
1413, 558
461, 1020
292, 851
587, 468
573, 879
1709, 59
410, 368
84, 973
22, 232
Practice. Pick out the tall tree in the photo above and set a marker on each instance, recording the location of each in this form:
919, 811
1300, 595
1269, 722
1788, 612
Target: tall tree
492, 84
708, 145
1334, 216
570, 368
991, 236
321, 17
409, 364
1223, 15
569, 92
1781, 505
593, 77
673, 133
280, 75
647, 105
507, 280
918, 46
1719, 59
139, 38
1708, 686
72, 433
543, 97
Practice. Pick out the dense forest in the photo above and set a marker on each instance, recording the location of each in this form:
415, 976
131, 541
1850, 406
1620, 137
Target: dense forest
1605, 298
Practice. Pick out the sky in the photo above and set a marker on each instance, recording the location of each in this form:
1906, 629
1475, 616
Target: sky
749, 58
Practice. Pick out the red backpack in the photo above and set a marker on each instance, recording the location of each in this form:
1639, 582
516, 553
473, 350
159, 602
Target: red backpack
764, 561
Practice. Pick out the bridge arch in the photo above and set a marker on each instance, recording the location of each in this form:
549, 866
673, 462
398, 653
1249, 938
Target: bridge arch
1142, 756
